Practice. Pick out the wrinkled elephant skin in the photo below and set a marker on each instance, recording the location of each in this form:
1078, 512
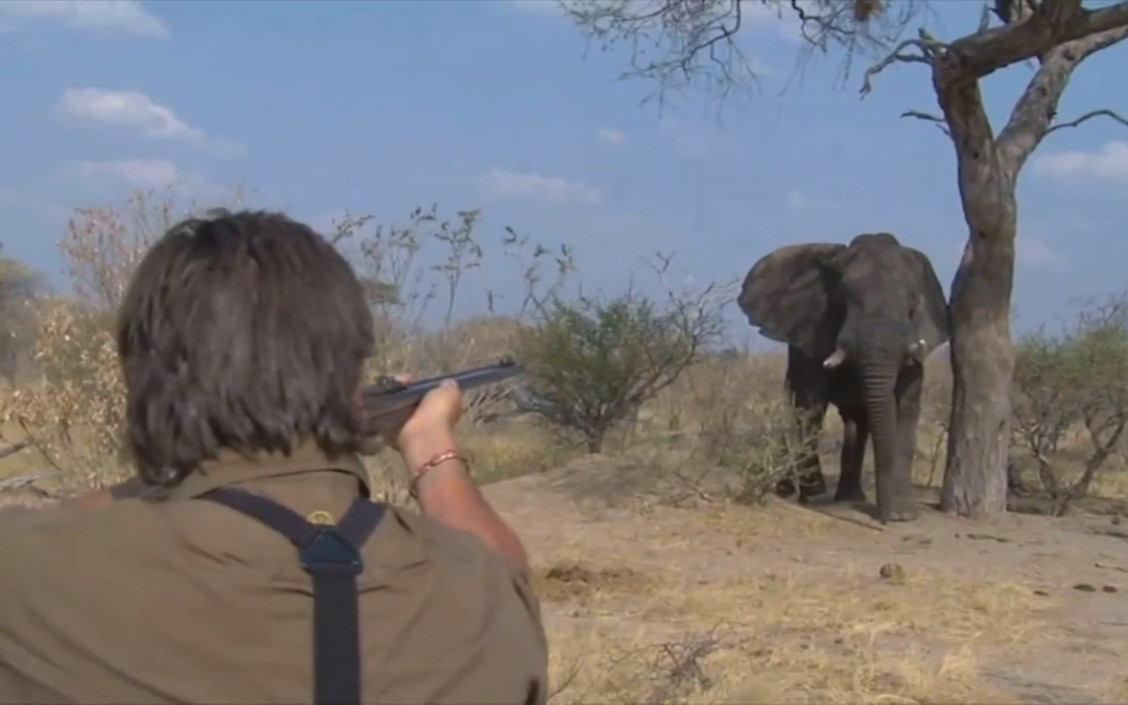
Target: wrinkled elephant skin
859, 320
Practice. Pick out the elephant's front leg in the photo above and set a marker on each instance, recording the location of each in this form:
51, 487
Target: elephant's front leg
910, 385
855, 433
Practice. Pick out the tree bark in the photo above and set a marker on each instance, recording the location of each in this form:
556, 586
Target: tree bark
981, 350
982, 358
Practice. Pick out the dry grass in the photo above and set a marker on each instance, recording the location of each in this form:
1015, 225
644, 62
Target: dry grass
630, 630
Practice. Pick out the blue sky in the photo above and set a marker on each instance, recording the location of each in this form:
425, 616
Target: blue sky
378, 107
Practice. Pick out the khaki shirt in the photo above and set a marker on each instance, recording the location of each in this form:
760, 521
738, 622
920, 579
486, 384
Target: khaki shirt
183, 601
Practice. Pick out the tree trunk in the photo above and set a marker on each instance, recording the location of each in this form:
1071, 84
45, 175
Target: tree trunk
981, 350
982, 357
982, 354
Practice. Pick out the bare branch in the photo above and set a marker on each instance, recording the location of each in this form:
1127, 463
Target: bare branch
928, 117
1033, 114
695, 39
1104, 112
927, 49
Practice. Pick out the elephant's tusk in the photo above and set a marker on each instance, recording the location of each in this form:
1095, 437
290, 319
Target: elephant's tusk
918, 350
836, 359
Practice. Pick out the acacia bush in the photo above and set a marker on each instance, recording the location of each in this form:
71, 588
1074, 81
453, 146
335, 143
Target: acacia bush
19, 287
1074, 383
743, 421
593, 362
72, 415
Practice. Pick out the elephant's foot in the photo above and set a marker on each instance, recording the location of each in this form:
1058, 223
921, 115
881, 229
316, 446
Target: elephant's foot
900, 512
850, 494
811, 487
785, 488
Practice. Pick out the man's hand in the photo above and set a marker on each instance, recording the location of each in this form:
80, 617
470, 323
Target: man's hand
431, 428
447, 493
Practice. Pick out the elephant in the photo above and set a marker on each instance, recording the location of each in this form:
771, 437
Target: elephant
859, 321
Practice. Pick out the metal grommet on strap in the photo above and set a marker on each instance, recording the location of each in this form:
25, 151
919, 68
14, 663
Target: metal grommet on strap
320, 516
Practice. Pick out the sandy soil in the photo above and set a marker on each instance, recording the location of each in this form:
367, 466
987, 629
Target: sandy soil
711, 602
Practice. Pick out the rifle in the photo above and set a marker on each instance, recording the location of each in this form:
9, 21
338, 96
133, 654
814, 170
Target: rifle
388, 403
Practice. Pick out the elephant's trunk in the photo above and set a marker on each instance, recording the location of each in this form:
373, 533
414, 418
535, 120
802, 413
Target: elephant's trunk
879, 378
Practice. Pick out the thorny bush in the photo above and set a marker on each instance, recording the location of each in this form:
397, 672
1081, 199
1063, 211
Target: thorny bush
593, 362
1074, 383
746, 422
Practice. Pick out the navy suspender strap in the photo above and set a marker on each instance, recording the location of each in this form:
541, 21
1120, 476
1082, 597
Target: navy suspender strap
331, 555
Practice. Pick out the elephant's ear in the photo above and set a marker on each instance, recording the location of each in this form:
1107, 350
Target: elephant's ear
931, 315
786, 294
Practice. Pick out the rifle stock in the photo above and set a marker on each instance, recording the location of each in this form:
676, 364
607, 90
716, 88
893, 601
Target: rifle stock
387, 403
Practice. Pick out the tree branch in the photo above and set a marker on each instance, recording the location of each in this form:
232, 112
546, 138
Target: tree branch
962, 103
928, 117
1055, 22
1033, 114
927, 45
1104, 112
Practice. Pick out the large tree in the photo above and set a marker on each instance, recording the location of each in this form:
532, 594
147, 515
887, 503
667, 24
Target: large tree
682, 43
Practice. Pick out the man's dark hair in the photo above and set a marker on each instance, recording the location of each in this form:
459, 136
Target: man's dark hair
240, 330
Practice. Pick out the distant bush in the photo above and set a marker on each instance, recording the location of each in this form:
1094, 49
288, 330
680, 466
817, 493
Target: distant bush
1077, 378
594, 362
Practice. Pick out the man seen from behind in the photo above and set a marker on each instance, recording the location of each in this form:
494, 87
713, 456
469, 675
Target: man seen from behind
242, 339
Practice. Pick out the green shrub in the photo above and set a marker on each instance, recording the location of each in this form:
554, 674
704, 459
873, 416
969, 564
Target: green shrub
592, 363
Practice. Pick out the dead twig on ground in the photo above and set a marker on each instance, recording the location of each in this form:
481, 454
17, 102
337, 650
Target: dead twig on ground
12, 449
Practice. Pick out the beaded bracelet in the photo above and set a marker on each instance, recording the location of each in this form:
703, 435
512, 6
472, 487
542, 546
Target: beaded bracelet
440, 458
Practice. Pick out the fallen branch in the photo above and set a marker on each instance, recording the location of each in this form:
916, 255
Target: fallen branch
1104, 112
19, 482
681, 668
12, 449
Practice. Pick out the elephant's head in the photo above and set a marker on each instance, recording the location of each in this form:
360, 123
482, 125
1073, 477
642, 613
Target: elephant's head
873, 298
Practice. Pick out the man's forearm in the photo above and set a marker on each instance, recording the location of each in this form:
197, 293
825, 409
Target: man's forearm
447, 494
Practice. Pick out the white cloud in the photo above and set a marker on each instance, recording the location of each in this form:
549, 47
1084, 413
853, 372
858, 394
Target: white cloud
508, 184
139, 173
125, 16
145, 175
610, 135
127, 109
1109, 162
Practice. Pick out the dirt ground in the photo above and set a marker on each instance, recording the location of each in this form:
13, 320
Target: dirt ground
711, 602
